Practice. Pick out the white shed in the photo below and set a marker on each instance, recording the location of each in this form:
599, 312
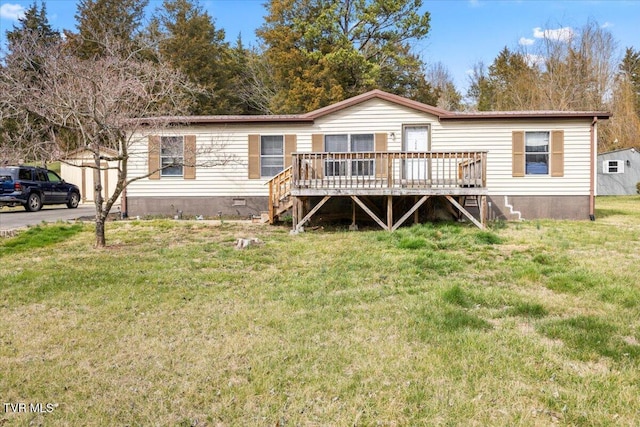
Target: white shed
76, 168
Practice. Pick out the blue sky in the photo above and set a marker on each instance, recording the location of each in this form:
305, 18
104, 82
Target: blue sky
462, 33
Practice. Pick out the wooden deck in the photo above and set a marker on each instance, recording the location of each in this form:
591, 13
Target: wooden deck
454, 175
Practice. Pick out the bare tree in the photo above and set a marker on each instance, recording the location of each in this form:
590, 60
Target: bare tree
623, 130
440, 78
576, 68
93, 104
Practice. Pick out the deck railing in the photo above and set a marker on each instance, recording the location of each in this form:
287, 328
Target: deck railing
279, 190
387, 170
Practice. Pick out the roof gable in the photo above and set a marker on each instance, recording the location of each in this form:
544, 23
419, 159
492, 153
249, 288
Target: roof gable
377, 94
440, 113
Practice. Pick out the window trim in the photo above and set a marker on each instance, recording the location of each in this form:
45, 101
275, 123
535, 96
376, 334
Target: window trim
557, 153
528, 153
606, 167
353, 164
163, 169
272, 156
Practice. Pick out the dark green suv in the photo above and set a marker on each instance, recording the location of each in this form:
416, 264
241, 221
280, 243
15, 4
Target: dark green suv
33, 187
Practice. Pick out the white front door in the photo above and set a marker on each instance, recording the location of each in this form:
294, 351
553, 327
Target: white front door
416, 139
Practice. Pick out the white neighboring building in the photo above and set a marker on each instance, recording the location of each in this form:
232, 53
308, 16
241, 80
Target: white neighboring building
618, 172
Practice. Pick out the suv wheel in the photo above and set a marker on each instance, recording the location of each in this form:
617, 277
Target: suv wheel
34, 203
74, 199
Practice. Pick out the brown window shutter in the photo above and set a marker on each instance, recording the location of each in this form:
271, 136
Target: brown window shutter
517, 150
557, 153
317, 142
189, 157
290, 146
317, 146
154, 157
381, 162
254, 156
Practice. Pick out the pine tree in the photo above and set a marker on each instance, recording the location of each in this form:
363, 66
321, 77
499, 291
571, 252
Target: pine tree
100, 19
322, 51
35, 21
191, 43
510, 78
24, 135
630, 68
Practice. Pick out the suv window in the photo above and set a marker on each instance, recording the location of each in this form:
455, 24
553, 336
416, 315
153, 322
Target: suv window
41, 176
53, 177
25, 174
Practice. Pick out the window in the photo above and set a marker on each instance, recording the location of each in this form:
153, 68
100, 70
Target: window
24, 174
349, 143
41, 175
53, 177
171, 155
271, 155
537, 153
613, 166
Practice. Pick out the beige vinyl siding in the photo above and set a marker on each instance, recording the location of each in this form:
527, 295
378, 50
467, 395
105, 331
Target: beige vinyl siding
213, 144
377, 117
496, 138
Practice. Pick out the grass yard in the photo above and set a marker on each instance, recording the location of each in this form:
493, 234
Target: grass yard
531, 323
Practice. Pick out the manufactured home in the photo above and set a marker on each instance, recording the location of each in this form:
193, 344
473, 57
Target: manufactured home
618, 172
376, 157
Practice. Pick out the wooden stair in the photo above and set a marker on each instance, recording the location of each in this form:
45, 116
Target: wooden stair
280, 200
470, 201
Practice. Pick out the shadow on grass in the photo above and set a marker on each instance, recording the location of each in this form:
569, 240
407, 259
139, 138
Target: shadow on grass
589, 336
604, 213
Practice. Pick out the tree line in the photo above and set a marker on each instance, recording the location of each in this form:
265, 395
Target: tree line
312, 53
95, 87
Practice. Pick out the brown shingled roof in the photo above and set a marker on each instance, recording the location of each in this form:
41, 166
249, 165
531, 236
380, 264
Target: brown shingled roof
440, 113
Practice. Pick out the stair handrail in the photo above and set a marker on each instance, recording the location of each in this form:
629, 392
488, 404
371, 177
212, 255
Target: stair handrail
279, 188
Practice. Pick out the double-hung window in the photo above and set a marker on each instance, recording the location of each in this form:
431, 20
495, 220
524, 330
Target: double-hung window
613, 166
537, 153
271, 155
353, 143
172, 155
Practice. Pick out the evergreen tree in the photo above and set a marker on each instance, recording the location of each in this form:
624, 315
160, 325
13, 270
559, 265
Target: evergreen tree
322, 51
630, 69
98, 20
24, 135
481, 91
190, 42
35, 21
510, 78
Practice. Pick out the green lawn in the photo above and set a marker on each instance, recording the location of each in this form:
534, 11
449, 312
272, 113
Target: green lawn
529, 323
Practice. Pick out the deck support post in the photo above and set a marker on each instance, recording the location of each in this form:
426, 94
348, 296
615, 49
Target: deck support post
353, 225
465, 212
308, 216
295, 211
416, 216
390, 213
370, 213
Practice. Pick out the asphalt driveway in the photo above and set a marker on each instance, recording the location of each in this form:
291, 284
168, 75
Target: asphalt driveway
11, 219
